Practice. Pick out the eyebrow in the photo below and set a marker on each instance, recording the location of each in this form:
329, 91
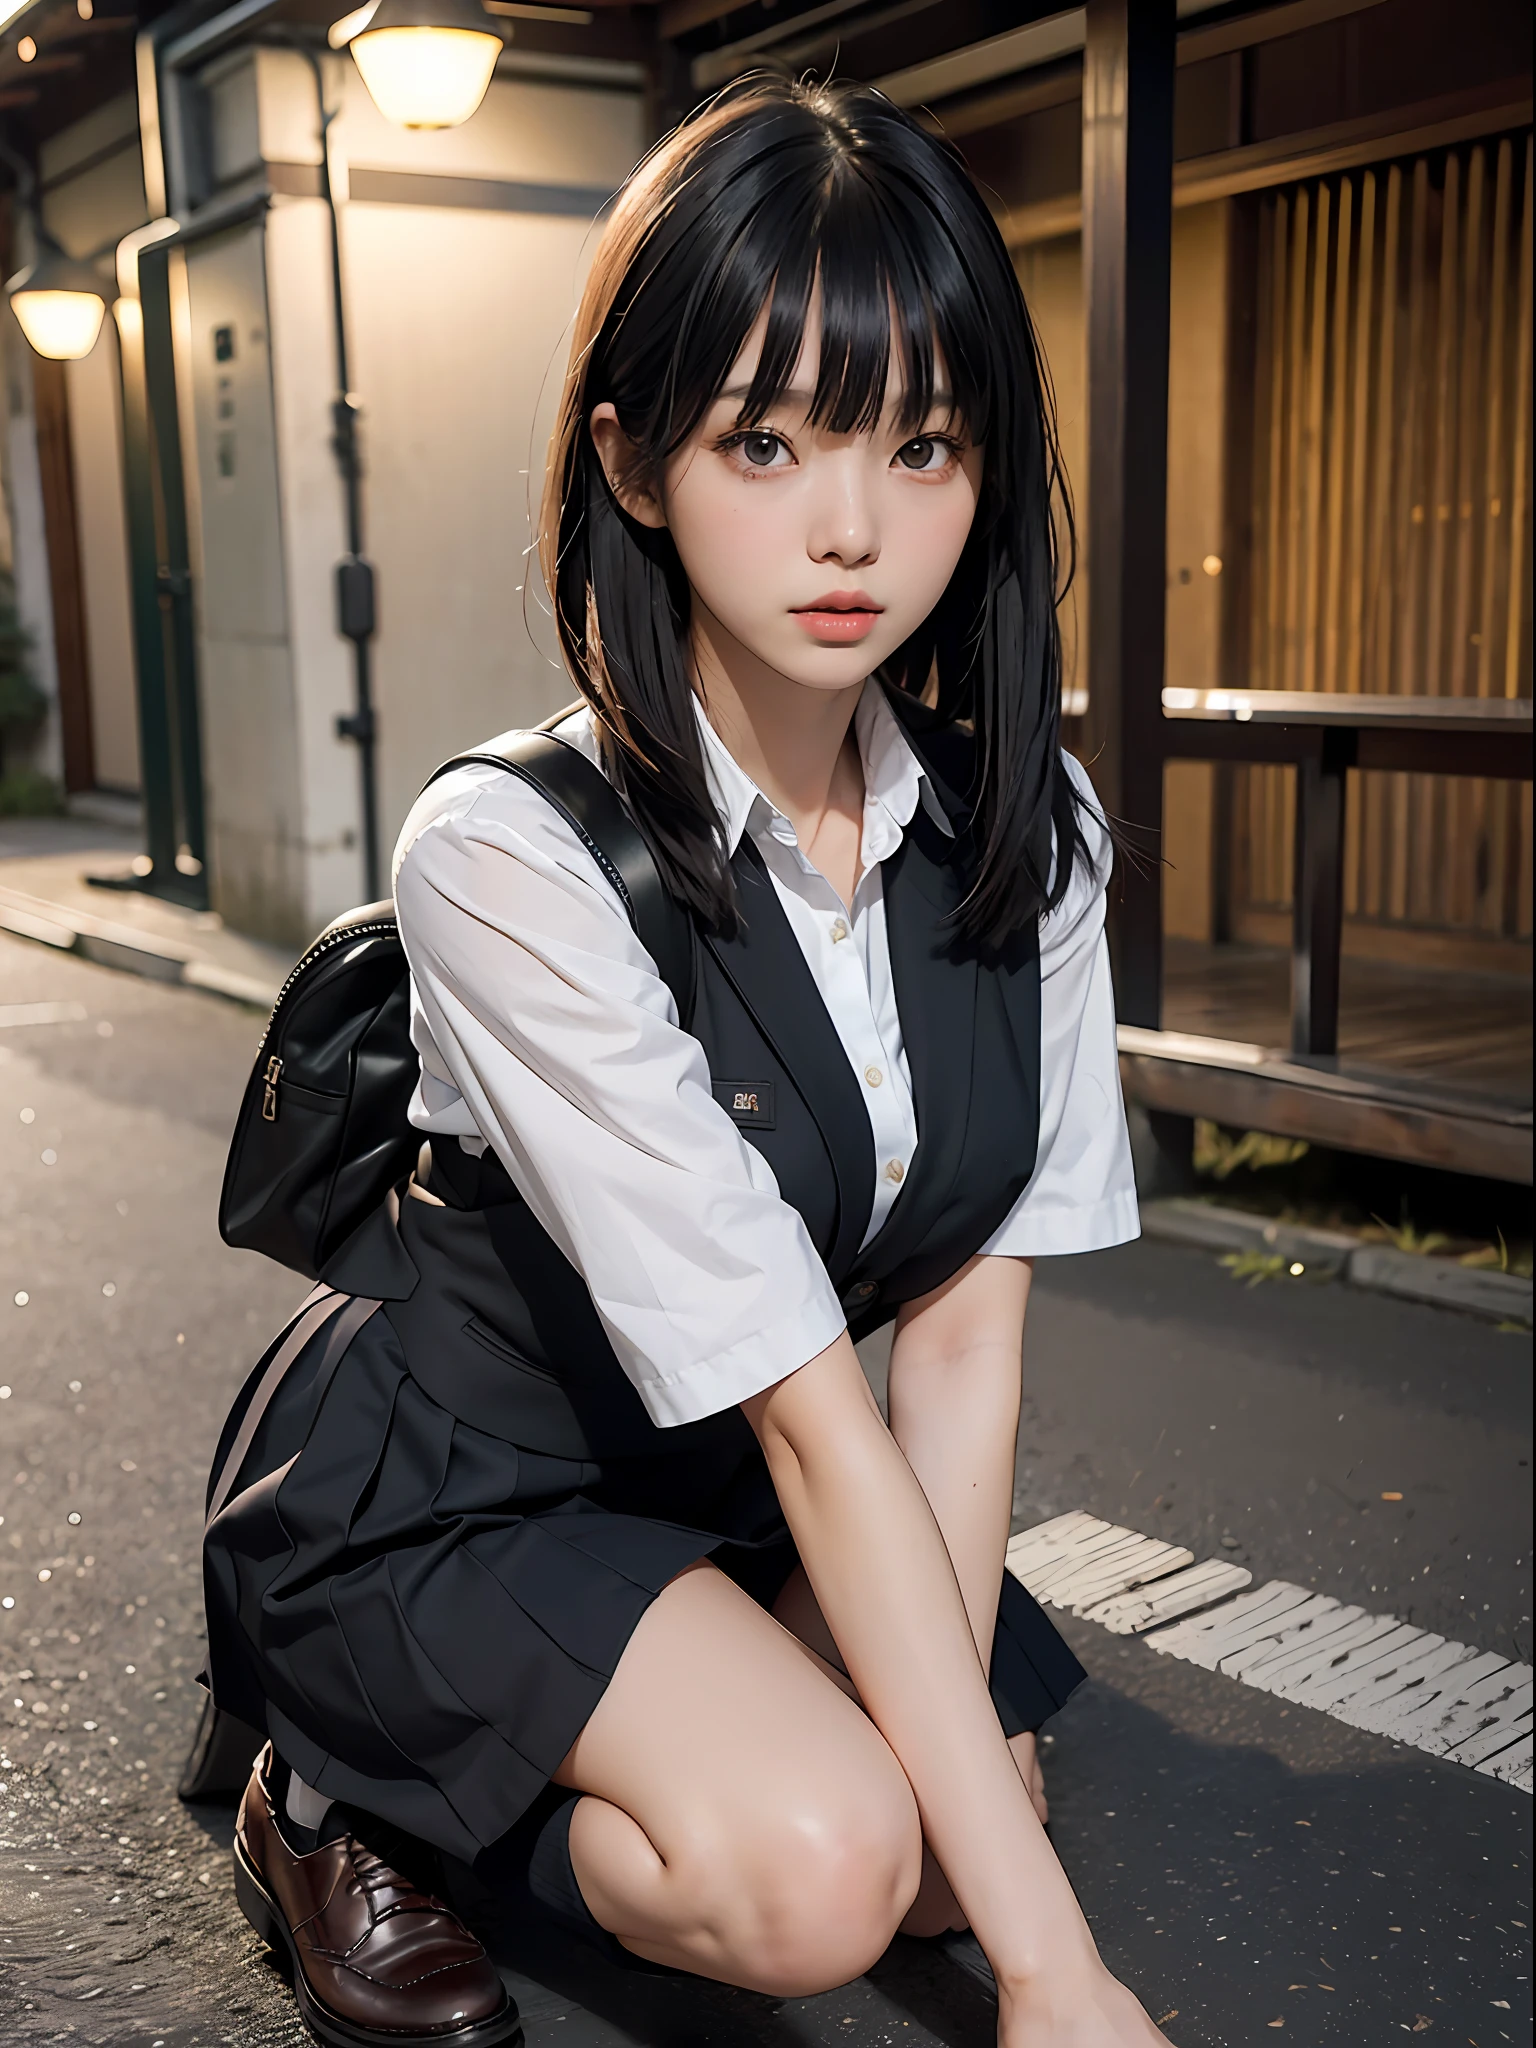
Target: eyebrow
942, 401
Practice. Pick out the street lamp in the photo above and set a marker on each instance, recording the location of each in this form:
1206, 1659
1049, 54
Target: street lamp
59, 303
426, 63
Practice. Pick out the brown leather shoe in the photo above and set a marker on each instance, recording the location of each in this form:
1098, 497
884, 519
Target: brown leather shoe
376, 1962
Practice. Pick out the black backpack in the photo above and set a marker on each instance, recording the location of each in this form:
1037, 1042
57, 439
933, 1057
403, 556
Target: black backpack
322, 1134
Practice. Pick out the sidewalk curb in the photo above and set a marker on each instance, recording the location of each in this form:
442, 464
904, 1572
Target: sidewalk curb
1501, 1297
1506, 1297
224, 981
103, 807
1176, 1219
127, 949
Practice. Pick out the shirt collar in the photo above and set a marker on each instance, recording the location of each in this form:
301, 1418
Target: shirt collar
895, 781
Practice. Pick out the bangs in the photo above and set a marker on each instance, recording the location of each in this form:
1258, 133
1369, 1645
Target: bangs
885, 263
880, 273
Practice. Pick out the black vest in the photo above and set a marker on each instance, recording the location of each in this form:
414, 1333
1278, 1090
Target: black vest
499, 1328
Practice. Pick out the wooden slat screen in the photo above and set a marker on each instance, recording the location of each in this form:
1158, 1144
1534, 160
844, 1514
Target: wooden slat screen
1391, 511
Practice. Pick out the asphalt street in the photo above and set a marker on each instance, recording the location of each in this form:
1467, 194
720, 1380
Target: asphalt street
1253, 1868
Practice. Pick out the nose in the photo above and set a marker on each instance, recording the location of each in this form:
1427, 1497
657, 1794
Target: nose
844, 527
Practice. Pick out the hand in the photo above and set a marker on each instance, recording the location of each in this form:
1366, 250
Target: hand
1074, 2007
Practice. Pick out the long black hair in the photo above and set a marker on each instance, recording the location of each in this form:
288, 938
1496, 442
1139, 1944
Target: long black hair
770, 192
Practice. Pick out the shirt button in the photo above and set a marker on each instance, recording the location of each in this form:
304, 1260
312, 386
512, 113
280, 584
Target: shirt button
894, 1170
873, 1076
839, 930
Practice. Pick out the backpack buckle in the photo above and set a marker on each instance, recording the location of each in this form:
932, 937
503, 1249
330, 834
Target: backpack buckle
269, 1090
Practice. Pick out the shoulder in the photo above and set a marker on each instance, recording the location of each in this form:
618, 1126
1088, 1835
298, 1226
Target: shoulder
476, 793
473, 818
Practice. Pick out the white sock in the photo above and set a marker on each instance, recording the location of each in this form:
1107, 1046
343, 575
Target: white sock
306, 1807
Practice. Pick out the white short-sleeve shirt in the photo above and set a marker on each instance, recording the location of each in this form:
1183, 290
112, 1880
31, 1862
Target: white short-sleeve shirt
545, 1031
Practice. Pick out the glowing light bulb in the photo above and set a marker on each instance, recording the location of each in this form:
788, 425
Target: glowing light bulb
62, 325
59, 304
426, 63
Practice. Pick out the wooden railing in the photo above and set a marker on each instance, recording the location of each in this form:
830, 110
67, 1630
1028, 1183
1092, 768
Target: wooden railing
1323, 736
1306, 1091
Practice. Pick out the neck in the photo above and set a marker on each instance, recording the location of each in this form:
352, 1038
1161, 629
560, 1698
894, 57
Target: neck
795, 742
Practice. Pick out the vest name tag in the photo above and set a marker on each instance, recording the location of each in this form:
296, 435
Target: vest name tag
749, 1103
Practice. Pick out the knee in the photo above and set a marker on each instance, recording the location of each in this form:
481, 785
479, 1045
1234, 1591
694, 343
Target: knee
815, 1899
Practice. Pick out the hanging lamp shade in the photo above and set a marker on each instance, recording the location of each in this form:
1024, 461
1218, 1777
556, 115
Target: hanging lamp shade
427, 63
59, 304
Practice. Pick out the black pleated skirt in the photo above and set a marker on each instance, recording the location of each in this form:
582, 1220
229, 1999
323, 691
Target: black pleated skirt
423, 1615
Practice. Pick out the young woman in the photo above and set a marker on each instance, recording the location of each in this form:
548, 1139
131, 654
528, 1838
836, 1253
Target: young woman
590, 1557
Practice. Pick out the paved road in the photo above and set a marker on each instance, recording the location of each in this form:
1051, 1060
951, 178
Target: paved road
1253, 1868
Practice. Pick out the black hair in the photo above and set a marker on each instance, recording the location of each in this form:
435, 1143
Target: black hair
770, 192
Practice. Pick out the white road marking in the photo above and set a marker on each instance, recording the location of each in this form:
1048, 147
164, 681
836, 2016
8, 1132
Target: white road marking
1369, 1670
1131, 1613
1079, 1562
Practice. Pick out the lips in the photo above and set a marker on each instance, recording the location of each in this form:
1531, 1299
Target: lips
839, 617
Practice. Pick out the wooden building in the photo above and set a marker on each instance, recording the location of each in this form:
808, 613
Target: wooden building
1280, 258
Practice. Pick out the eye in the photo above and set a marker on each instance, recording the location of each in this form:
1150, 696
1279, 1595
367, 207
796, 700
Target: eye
926, 452
758, 449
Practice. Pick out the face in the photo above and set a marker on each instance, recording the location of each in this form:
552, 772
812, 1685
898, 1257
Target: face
811, 554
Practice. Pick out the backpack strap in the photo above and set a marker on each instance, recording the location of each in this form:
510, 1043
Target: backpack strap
593, 809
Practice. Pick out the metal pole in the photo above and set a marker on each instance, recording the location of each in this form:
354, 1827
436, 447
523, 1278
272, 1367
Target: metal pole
153, 696
356, 609
189, 880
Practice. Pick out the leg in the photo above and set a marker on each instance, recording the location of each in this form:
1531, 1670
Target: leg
934, 1910
747, 1822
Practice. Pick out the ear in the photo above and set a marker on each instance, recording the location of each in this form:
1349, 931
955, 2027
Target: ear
616, 452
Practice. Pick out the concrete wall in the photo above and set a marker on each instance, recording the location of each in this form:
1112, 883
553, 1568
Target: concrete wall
256, 835
91, 179
463, 255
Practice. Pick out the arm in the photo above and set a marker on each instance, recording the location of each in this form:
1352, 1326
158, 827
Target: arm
545, 1031
955, 1377
879, 1568
956, 1374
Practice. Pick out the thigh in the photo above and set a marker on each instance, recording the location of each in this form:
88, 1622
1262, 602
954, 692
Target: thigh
718, 1722
798, 1610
